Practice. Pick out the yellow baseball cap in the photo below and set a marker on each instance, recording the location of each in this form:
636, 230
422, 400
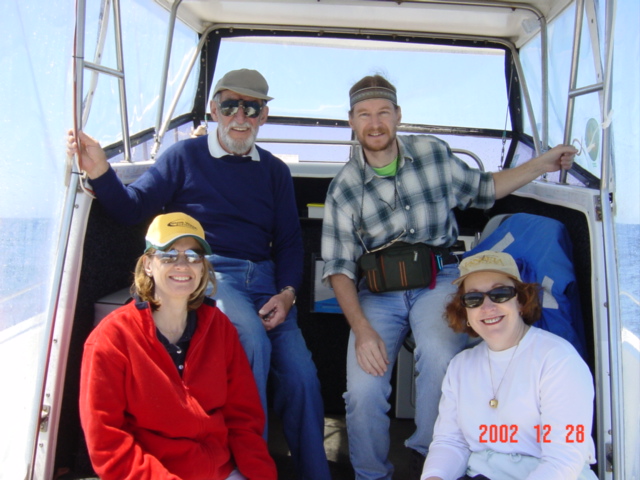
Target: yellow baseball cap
166, 229
488, 261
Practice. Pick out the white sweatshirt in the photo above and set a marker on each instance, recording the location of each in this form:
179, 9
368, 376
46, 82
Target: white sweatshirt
545, 408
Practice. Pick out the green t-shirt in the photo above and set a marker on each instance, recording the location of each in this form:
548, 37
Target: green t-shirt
388, 170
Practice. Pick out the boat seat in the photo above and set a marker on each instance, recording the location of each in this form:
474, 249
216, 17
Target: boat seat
107, 304
493, 223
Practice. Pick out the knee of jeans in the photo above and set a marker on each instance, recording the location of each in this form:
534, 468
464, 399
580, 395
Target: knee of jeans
432, 364
360, 395
438, 356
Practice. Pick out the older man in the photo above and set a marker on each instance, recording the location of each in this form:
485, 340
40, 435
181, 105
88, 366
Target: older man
400, 188
243, 197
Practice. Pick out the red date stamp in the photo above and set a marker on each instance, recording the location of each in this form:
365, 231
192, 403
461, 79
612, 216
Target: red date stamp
498, 433
507, 433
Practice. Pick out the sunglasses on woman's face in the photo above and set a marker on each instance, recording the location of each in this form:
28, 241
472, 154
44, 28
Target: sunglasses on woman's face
251, 108
171, 256
496, 295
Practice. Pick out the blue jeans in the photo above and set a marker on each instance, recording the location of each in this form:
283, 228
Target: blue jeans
279, 354
392, 315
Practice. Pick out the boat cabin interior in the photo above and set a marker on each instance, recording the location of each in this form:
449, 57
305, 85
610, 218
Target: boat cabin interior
112, 249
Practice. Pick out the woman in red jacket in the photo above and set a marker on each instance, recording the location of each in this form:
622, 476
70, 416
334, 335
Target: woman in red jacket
166, 389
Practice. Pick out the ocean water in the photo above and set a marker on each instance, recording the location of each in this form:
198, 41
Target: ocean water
628, 243
25, 268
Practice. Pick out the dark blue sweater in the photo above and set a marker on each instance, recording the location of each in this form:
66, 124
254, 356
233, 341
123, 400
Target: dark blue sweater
246, 208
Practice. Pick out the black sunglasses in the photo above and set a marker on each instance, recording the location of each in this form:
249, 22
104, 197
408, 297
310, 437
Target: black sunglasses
172, 256
497, 295
251, 108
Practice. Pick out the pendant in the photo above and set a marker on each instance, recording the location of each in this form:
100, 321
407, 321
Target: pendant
493, 403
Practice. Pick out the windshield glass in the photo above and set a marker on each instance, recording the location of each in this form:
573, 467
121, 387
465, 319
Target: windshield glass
310, 78
437, 85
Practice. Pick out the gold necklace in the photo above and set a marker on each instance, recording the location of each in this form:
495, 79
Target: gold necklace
493, 403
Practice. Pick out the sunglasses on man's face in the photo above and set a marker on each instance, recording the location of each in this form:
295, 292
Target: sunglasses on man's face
496, 295
251, 108
171, 256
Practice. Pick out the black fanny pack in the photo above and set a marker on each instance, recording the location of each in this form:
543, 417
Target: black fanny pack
400, 266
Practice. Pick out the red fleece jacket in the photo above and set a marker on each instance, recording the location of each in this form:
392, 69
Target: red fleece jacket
143, 421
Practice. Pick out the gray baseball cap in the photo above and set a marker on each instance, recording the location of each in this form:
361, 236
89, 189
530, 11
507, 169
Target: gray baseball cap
245, 82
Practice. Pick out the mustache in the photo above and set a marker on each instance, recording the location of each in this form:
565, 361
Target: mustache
376, 130
234, 124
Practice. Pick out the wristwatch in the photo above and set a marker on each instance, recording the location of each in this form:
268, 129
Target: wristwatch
292, 290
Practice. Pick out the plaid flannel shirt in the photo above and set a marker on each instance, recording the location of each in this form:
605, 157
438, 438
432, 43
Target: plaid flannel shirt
415, 206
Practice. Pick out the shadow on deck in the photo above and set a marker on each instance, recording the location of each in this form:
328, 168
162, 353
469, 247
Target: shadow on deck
336, 446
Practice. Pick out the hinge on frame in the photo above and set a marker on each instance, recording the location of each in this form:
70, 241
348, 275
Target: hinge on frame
44, 418
597, 200
609, 457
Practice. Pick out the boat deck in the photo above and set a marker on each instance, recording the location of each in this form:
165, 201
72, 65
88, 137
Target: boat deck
336, 446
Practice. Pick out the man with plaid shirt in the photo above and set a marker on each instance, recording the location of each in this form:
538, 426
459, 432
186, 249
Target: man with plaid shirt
400, 188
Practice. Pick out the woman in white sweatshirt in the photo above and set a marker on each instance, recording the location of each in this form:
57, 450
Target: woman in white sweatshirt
518, 405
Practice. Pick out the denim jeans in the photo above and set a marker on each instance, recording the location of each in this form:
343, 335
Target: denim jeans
392, 315
280, 355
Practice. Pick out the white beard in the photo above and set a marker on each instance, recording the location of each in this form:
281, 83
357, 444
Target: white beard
237, 147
